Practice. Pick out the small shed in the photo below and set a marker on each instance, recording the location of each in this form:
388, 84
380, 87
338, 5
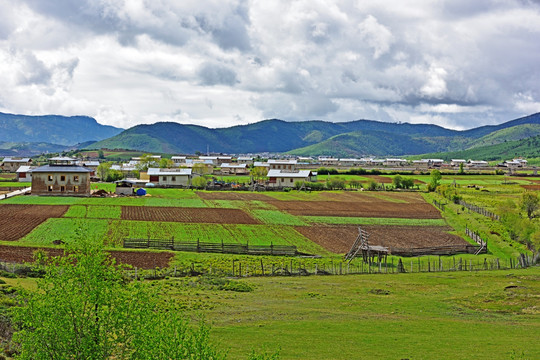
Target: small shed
124, 187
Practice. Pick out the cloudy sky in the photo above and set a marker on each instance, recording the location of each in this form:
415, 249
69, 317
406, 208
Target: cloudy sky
456, 63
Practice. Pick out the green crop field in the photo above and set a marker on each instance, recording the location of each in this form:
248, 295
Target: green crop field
337, 220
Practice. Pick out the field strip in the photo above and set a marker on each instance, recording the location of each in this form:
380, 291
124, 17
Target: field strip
339, 220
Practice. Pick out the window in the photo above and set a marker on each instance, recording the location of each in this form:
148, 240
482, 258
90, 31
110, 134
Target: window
76, 178
49, 188
76, 188
173, 178
49, 177
62, 177
164, 178
291, 180
62, 188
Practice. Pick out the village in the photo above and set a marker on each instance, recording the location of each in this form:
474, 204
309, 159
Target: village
68, 176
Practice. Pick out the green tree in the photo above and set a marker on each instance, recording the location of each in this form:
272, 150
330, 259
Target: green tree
435, 180
461, 168
258, 173
530, 203
166, 163
201, 169
103, 169
85, 309
147, 161
407, 183
199, 182
396, 181
100, 154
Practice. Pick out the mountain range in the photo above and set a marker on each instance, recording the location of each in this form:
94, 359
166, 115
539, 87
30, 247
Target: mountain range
19, 133
311, 138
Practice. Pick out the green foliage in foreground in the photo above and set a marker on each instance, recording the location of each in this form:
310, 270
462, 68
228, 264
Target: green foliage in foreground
85, 309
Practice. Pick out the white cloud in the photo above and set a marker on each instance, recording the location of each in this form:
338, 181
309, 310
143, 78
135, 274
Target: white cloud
455, 63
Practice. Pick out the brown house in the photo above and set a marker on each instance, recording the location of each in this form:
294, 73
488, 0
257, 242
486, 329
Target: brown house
11, 164
62, 177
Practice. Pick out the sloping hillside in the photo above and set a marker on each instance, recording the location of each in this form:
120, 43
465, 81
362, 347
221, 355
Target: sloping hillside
53, 129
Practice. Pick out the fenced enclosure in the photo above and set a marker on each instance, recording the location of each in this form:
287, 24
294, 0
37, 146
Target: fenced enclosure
480, 210
209, 247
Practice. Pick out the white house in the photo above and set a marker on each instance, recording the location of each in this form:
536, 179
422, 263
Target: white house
236, 169
457, 162
478, 163
348, 162
394, 162
24, 173
178, 160
287, 178
326, 161
170, 177
245, 160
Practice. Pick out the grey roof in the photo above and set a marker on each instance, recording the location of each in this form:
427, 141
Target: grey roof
64, 169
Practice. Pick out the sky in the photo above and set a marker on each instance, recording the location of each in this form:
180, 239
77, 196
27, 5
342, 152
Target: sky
218, 63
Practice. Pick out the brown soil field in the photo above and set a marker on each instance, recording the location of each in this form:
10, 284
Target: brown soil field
381, 209
373, 196
340, 238
187, 215
140, 259
531, 187
219, 195
388, 180
16, 221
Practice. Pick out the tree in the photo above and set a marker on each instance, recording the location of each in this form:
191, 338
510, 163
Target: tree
199, 182
85, 309
166, 163
201, 169
435, 180
461, 168
530, 203
100, 154
396, 181
258, 173
102, 170
147, 161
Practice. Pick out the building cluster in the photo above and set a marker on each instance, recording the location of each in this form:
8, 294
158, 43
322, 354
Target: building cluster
68, 176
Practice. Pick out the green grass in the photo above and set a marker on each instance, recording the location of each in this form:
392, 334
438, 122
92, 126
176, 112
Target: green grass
216, 233
458, 315
338, 220
69, 230
117, 201
14, 184
95, 212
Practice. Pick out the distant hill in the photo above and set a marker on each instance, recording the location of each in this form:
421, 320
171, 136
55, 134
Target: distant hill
527, 148
53, 129
28, 148
517, 132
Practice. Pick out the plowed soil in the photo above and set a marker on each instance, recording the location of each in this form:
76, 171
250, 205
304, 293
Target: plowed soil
369, 196
219, 195
16, 221
339, 239
140, 259
381, 209
531, 187
187, 215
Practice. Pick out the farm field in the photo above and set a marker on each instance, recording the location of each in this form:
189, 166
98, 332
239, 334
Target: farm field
324, 223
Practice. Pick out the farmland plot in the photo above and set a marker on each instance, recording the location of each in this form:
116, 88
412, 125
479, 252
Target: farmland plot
18, 220
382, 209
339, 239
187, 215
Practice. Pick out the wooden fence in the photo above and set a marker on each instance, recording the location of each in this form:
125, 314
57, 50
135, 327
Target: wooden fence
208, 247
476, 237
438, 250
480, 210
